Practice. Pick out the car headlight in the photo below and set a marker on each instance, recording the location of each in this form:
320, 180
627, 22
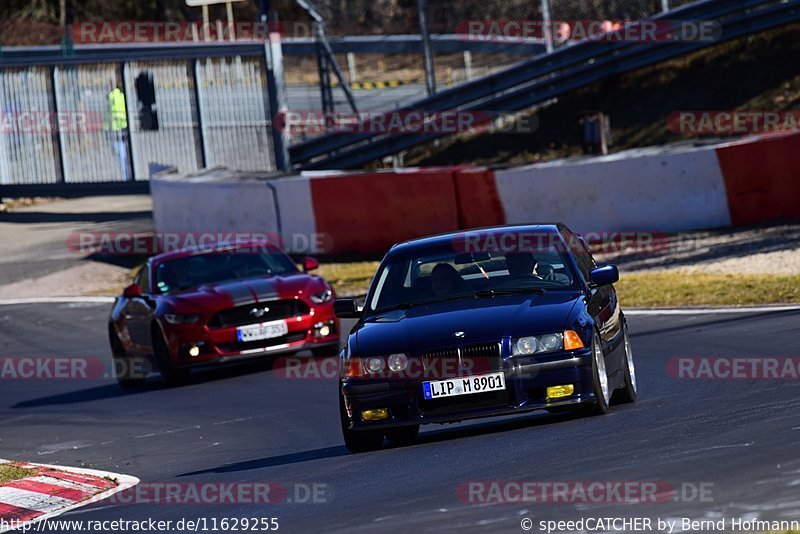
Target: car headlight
179, 318
524, 346
322, 297
398, 362
374, 365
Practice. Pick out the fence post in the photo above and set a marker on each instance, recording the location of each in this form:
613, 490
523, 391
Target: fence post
276, 91
196, 83
547, 23
427, 51
62, 170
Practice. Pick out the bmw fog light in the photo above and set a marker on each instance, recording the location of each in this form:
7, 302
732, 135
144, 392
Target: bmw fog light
375, 415
194, 351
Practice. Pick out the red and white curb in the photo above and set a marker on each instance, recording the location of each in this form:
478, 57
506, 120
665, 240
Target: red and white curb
53, 490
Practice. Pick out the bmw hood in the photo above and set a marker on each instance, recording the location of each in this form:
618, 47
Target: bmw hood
484, 320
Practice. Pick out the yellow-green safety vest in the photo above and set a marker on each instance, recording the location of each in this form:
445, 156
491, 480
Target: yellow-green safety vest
116, 105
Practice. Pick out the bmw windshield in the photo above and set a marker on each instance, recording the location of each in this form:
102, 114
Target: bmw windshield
449, 272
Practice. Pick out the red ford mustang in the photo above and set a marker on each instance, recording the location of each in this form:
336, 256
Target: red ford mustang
202, 306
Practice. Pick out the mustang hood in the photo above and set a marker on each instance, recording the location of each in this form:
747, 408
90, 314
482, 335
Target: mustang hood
232, 293
485, 320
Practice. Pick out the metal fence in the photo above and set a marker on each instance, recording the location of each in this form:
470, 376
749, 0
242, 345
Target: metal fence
56, 120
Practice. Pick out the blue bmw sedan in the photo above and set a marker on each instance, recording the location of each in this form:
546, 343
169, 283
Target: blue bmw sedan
482, 323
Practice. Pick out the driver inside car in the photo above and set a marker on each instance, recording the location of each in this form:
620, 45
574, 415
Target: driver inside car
445, 280
521, 265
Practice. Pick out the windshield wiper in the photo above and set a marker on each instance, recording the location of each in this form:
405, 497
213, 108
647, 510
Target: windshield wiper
486, 293
414, 304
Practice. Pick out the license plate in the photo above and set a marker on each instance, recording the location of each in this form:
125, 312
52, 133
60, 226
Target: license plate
467, 385
257, 332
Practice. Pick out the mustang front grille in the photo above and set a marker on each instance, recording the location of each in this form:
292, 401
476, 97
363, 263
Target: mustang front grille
261, 312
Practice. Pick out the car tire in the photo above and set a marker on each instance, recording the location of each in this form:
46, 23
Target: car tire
404, 435
629, 392
122, 363
600, 385
170, 374
358, 441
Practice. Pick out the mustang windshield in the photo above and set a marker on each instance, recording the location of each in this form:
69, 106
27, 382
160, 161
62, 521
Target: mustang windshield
445, 274
214, 267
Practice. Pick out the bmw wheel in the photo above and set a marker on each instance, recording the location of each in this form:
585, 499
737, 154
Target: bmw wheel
601, 387
629, 392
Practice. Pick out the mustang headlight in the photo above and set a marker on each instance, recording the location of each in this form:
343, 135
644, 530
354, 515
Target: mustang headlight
322, 297
178, 318
524, 346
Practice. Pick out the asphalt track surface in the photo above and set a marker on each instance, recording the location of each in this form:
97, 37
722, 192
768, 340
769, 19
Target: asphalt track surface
737, 440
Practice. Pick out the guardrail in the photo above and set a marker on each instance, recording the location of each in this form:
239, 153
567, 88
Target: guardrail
540, 79
23, 56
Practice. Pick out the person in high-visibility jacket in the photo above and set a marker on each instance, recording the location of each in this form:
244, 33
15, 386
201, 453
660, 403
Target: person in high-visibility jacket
117, 124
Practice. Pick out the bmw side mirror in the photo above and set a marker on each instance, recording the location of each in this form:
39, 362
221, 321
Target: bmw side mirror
604, 276
346, 309
310, 264
132, 291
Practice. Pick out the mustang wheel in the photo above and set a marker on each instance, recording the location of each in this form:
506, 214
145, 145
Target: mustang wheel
170, 375
630, 391
355, 440
404, 435
124, 370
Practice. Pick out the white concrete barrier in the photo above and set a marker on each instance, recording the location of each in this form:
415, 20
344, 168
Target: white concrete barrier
633, 190
215, 200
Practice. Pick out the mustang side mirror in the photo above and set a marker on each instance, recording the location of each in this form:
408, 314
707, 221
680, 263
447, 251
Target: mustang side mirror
604, 276
346, 309
132, 291
309, 264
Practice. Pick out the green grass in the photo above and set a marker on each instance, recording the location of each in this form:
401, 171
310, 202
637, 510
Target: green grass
660, 290
671, 289
636, 290
349, 279
10, 472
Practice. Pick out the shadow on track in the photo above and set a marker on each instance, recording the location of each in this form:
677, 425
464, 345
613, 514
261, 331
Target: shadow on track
426, 438
112, 390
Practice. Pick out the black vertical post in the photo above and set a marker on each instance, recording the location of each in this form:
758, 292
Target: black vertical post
128, 120
326, 92
196, 84
430, 71
58, 133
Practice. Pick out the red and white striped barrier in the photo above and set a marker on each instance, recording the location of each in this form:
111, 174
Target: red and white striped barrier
658, 190
53, 490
